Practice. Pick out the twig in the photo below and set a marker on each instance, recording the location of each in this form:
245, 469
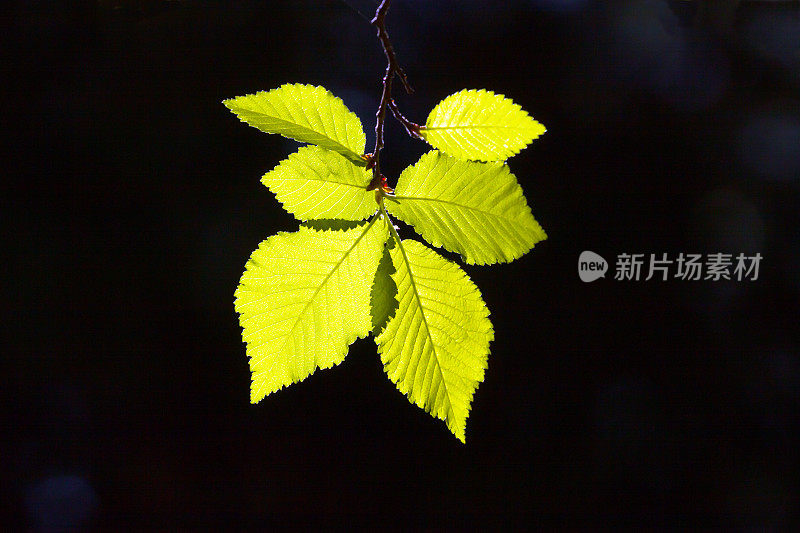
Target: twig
392, 70
411, 127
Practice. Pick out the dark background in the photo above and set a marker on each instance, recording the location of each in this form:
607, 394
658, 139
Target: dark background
132, 201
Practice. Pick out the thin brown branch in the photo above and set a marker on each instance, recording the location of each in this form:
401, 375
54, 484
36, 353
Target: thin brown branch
392, 69
411, 127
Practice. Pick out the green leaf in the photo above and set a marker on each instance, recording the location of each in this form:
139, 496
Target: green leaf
317, 183
383, 297
480, 125
475, 209
304, 113
304, 298
436, 346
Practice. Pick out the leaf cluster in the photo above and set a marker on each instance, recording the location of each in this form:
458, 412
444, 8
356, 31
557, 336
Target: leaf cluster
306, 296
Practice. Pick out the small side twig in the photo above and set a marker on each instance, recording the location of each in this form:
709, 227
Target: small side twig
392, 70
411, 127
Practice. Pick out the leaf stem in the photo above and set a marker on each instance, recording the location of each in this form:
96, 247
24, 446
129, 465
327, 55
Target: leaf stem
392, 69
389, 223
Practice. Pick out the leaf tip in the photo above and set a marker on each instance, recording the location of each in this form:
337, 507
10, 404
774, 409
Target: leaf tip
538, 129
230, 103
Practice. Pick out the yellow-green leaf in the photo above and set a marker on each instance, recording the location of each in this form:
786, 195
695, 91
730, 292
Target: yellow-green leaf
475, 209
317, 183
304, 298
435, 348
480, 125
304, 113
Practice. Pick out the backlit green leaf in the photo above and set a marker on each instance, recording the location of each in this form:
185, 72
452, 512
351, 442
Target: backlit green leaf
480, 125
435, 348
317, 183
304, 298
304, 113
475, 209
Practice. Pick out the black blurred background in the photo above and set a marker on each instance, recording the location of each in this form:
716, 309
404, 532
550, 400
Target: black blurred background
133, 201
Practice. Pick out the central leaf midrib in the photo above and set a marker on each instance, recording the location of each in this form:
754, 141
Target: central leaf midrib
450, 202
476, 127
325, 281
347, 151
425, 319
